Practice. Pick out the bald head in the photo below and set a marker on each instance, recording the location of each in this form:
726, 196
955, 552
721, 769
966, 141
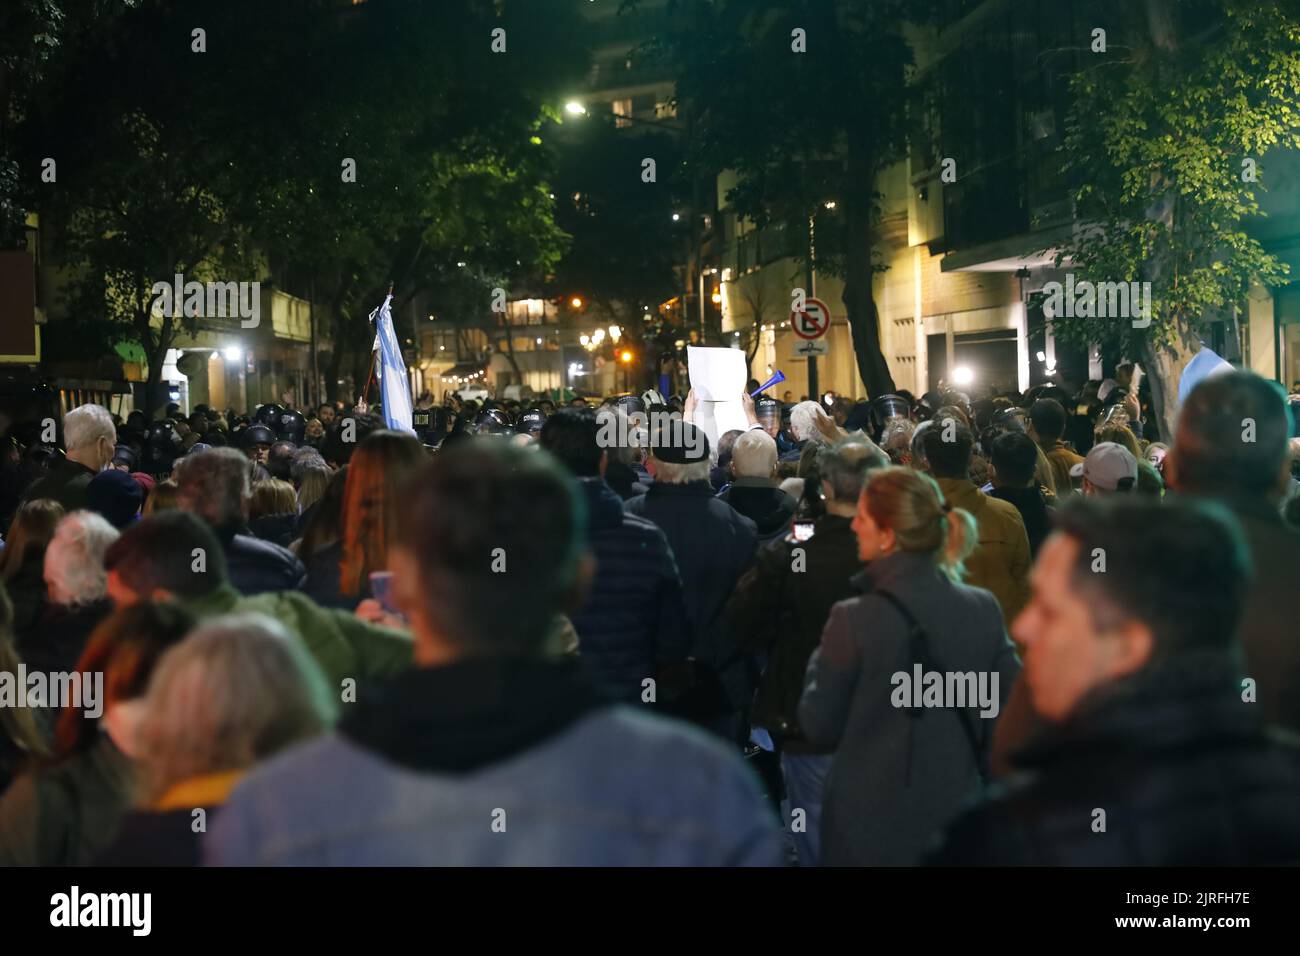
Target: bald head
754, 455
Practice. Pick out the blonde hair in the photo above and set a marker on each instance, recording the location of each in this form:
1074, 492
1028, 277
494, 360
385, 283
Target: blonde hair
314, 482
910, 504
272, 496
164, 497
237, 690
1120, 435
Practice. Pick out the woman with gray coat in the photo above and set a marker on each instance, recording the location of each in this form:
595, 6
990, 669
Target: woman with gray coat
908, 679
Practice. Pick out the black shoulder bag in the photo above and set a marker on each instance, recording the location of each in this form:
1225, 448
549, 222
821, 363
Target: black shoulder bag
920, 653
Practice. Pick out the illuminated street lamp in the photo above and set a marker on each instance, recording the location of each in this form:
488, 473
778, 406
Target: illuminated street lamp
615, 333
576, 302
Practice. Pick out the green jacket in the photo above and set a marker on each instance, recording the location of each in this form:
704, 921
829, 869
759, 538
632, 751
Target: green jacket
65, 815
343, 645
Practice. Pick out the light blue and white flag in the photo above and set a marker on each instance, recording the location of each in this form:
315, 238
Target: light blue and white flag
393, 385
1204, 363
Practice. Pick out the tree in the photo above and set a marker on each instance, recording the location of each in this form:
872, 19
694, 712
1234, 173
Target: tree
205, 174
762, 306
624, 243
802, 130
1168, 133
33, 36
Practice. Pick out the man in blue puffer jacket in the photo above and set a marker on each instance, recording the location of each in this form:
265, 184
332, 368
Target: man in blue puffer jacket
633, 622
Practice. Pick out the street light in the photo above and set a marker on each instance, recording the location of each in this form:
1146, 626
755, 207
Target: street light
576, 302
574, 108
615, 333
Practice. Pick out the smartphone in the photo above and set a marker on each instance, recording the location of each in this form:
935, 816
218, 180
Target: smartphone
802, 528
381, 589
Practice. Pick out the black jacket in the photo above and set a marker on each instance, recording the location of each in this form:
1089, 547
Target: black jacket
1033, 509
634, 618
278, 529
714, 546
322, 582
626, 480
256, 566
763, 502
1181, 766
164, 838
65, 483
55, 642
780, 607
28, 593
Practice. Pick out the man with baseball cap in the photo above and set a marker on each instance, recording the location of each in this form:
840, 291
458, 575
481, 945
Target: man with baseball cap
1108, 468
714, 545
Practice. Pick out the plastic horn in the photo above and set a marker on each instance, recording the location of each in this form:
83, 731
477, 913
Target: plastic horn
776, 379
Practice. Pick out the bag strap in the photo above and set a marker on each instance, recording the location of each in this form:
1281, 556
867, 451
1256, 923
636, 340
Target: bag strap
920, 652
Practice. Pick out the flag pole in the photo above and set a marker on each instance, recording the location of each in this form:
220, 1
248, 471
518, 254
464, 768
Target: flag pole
365, 395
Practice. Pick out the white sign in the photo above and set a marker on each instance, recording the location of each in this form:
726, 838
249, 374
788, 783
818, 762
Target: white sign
812, 347
718, 377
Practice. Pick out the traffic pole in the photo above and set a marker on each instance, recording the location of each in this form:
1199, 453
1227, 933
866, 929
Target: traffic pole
814, 390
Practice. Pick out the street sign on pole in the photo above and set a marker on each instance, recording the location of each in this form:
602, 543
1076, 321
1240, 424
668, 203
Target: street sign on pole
813, 322
810, 348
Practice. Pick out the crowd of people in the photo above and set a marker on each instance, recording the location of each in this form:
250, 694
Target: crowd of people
1014, 630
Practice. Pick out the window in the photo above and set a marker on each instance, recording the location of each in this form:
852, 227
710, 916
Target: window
622, 108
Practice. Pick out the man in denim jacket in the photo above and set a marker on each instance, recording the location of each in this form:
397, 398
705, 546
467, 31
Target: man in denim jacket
487, 752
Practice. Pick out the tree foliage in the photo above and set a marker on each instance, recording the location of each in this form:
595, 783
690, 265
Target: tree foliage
1159, 133
232, 159
802, 130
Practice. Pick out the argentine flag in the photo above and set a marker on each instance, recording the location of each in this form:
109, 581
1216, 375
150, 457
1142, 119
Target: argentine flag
393, 387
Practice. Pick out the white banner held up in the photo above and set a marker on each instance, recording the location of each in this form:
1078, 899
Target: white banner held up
718, 377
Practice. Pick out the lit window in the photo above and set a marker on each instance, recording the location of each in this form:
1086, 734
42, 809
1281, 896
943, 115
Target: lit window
622, 109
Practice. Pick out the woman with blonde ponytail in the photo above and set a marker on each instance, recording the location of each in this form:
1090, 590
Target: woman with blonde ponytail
908, 679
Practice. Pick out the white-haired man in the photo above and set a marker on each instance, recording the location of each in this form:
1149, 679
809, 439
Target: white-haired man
90, 440
754, 491
77, 588
713, 544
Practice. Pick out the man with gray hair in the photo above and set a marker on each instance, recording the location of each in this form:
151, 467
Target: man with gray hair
753, 491
90, 440
780, 607
78, 593
215, 486
714, 545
